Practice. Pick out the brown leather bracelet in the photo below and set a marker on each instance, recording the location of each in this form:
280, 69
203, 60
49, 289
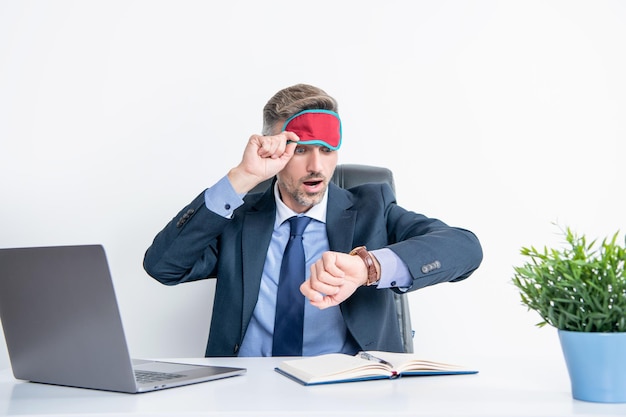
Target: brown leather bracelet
372, 274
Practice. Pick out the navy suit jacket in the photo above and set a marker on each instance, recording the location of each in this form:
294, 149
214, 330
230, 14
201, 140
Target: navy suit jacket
199, 244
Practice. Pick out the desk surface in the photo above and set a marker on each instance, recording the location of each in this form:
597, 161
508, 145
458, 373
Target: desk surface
502, 388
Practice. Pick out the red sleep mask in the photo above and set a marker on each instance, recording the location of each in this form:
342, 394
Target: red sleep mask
316, 127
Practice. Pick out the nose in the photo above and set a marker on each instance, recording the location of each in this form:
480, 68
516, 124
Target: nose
314, 162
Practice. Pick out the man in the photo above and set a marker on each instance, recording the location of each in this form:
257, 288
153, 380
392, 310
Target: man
359, 245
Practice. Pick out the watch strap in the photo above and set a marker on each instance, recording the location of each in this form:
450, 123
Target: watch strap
372, 274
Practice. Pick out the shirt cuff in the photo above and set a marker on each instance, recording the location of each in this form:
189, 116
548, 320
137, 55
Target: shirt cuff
393, 271
222, 199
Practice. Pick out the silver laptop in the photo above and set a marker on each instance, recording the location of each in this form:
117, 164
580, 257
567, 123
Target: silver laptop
62, 325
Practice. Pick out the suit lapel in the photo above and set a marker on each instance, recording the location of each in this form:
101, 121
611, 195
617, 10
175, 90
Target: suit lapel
255, 240
340, 227
340, 220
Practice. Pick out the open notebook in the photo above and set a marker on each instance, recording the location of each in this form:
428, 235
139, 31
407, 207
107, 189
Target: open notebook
338, 367
62, 325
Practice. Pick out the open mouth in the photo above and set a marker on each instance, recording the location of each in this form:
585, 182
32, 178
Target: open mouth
313, 185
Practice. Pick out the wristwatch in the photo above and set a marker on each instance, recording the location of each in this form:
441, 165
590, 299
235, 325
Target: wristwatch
372, 274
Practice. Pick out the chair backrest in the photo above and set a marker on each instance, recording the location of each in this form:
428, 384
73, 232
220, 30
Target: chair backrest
350, 175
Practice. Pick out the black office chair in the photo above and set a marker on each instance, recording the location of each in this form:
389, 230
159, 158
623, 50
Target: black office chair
350, 175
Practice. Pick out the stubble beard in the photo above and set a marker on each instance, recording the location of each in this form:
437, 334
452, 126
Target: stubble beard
303, 198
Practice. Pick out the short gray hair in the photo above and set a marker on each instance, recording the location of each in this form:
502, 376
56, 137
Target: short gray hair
292, 100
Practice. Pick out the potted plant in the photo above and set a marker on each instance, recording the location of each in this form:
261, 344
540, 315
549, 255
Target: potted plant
580, 289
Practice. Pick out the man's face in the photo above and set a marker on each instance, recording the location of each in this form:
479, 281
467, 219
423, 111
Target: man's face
304, 180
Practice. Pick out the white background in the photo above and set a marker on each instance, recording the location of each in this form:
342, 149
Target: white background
500, 117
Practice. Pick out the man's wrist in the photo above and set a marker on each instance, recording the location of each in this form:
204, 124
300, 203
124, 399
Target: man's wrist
373, 269
222, 199
241, 181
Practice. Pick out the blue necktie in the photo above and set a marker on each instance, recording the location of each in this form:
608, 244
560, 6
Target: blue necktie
289, 321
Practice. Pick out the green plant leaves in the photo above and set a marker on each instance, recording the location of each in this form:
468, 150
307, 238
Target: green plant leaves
581, 287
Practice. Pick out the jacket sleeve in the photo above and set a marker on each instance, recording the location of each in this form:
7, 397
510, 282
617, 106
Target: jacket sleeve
186, 249
433, 251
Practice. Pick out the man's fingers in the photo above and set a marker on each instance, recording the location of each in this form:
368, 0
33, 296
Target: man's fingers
276, 146
291, 137
271, 146
327, 284
328, 264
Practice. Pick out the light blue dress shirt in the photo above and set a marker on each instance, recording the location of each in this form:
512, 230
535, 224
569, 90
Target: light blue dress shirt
324, 330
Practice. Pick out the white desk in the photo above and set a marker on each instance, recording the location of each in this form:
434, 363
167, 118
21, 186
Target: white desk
502, 388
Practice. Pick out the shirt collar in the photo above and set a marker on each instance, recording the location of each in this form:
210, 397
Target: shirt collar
317, 212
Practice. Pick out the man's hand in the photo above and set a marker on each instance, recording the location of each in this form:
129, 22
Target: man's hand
263, 158
334, 277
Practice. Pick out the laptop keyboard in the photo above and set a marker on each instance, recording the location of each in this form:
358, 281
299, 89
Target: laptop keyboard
144, 377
